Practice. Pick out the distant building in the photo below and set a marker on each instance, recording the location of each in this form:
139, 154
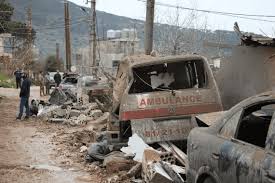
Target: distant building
5, 57
118, 44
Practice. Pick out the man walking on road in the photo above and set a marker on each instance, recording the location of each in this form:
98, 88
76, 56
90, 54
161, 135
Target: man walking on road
57, 78
17, 75
24, 97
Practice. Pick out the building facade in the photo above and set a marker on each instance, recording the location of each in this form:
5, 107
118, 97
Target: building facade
118, 44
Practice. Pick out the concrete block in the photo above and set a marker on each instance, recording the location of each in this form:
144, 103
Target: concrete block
95, 113
116, 162
75, 113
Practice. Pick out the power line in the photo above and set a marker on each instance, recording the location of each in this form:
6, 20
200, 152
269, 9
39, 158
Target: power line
231, 14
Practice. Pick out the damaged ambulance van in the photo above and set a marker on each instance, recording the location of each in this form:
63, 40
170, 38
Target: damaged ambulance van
159, 97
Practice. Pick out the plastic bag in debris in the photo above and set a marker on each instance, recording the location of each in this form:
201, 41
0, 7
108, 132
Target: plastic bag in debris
44, 111
97, 151
135, 146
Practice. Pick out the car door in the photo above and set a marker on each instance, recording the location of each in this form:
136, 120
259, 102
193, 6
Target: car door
242, 154
207, 152
268, 166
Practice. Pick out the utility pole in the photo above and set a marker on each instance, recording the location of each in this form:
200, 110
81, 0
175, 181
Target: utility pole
29, 35
67, 36
149, 26
92, 52
57, 57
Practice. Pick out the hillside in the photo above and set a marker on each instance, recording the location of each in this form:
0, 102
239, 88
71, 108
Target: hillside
48, 21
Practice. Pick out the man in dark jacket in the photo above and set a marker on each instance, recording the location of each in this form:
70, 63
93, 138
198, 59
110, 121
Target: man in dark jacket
24, 97
57, 78
17, 75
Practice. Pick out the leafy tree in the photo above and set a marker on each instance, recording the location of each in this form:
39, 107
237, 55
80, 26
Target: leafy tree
51, 65
17, 29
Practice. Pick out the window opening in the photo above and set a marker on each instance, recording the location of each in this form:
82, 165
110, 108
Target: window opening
169, 76
254, 124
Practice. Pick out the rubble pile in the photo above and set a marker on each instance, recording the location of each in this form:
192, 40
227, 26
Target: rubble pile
139, 162
63, 108
75, 114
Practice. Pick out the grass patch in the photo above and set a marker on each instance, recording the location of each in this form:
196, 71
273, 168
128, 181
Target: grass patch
6, 81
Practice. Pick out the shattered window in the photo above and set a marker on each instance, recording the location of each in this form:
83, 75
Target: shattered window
169, 76
254, 124
70, 81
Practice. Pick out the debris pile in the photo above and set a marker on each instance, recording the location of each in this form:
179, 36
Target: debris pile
64, 108
140, 162
137, 162
75, 114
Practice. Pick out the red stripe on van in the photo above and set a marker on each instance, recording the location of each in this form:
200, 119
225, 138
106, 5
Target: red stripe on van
163, 112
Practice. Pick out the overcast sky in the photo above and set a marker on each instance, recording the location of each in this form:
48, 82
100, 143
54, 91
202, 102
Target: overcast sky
136, 9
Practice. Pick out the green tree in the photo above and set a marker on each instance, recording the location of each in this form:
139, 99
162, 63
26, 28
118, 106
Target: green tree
17, 29
51, 65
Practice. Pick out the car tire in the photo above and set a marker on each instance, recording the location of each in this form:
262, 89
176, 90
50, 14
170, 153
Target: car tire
209, 180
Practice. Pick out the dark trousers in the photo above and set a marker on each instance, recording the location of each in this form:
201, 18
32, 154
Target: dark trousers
47, 88
18, 83
24, 102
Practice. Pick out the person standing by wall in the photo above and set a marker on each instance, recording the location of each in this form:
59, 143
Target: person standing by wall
57, 78
17, 75
41, 81
24, 96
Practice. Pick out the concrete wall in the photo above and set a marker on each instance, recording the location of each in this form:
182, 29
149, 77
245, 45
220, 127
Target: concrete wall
248, 71
110, 51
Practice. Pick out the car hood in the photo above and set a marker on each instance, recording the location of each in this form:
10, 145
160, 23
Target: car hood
210, 118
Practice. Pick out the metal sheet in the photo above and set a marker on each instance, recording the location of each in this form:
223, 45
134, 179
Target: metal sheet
210, 118
162, 130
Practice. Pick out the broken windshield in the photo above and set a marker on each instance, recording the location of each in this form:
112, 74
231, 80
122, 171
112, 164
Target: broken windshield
169, 76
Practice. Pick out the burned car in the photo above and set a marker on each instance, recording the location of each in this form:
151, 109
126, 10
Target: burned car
158, 97
238, 147
69, 83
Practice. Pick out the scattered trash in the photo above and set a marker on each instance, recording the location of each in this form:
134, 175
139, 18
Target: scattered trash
47, 111
116, 161
138, 162
97, 151
83, 149
136, 146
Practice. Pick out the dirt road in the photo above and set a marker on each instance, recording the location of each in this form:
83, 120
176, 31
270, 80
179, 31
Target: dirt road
37, 151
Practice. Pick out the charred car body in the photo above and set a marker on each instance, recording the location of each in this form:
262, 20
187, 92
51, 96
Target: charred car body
238, 147
157, 98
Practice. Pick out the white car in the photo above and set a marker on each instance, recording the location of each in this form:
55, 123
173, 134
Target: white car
69, 83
